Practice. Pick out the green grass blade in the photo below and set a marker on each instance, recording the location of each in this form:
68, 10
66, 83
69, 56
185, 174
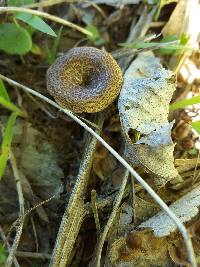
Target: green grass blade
3, 91
36, 22
6, 143
185, 102
9, 105
196, 126
56, 42
3, 256
51, 53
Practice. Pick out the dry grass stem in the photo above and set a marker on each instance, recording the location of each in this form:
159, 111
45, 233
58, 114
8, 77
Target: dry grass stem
47, 16
94, 210
117, 201
3, 237
18, 183
19, 227
33, 255
103, 203
15, 244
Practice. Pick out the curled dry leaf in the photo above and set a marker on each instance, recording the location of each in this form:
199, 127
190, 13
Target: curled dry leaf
177, 250
138, 248
143, 108
185, 209
142, 248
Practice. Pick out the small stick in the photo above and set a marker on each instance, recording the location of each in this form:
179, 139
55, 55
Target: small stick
34, 255
94, 209
35, 234
21, 207
8, 246
133, 197
18, 182
15, 243
103, 203
117, 201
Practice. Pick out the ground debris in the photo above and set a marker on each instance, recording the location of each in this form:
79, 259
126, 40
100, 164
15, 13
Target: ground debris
185, 209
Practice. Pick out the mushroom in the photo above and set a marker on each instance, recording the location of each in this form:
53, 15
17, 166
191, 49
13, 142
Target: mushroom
85, 79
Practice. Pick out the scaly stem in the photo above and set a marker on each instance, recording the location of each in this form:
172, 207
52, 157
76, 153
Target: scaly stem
75, 211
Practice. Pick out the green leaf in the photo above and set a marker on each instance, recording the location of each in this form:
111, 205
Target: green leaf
95, 32
184, 39
193, 152
139, 44
30, 29
6, 143
9, 105
5, 101
3, 256
185, 102
14, 39
51, 53
168, 50
96, 37
168, 45
196, 126
36, 50
36, 22
3, 91
20, 2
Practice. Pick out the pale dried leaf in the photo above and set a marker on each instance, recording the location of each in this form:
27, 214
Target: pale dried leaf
144, 107
184, 19
185, 209
184, 165
138, 249
39, 162
126, 214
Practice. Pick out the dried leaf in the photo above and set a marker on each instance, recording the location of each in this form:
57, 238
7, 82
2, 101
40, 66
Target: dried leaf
184, 20
38, 162
177, 250
143, 209
144, 107
184, 165
126, 214
138, 248
103, 163
185, 209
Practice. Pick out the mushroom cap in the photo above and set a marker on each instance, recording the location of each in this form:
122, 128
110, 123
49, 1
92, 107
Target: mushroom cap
85, 79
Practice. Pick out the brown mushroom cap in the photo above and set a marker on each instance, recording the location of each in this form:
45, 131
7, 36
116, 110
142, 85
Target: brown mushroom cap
85, 79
